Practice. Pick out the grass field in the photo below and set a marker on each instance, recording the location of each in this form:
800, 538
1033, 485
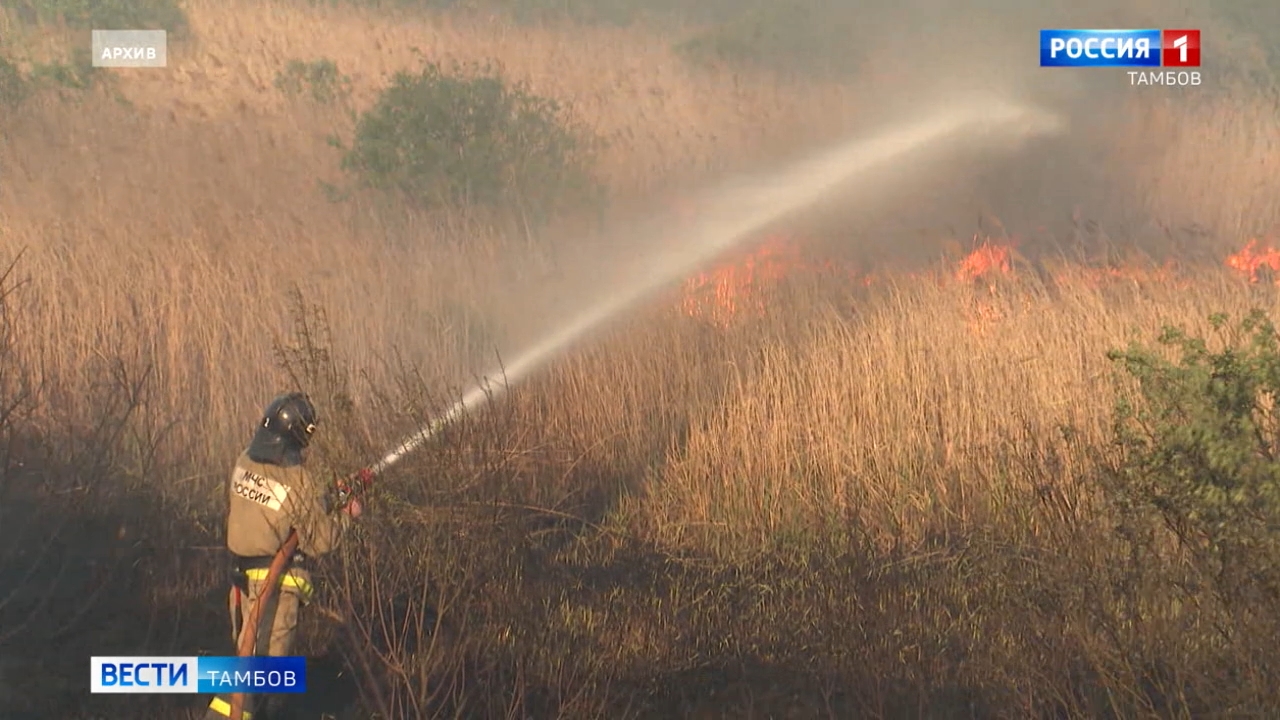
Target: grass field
870, 492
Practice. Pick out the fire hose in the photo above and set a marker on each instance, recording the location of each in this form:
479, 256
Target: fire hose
357, 484
348, 488
249, 637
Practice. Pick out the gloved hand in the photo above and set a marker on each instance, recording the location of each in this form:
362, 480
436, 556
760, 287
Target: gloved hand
354, 507
349, 490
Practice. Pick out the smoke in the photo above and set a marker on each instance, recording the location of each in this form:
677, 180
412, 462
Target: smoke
908, 57
915, 52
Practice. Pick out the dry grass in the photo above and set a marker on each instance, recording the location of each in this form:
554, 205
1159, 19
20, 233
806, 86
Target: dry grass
205, 195
867, 498
932, 403
1176, 151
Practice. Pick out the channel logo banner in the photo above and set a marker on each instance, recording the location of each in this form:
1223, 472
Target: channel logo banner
1100, 48
197, 675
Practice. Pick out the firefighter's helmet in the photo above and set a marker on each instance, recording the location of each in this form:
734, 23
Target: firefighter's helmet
285, 429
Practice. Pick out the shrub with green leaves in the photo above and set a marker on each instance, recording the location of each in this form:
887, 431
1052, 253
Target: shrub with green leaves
319, 78
1201, 447
103, 14
62, 77
14, 86
77, 73
471, 139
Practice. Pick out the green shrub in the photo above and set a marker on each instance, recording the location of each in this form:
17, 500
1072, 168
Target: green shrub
1201, 448
445, 139
14, 86
76, 74
319, 78
103, 14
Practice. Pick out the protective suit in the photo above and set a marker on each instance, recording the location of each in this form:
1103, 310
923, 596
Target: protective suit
270, 493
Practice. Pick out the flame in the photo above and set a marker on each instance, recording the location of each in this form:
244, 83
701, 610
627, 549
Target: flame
985, 261
735, 291
1249, 261
740, 290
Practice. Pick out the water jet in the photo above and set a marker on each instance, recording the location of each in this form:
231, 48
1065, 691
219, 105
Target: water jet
736, 211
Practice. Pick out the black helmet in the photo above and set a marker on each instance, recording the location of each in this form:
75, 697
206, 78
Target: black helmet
285, 430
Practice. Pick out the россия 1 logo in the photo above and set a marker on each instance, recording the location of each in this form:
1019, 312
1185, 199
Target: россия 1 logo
1126, 49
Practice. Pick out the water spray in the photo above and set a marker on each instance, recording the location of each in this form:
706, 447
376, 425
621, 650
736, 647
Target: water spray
734, 214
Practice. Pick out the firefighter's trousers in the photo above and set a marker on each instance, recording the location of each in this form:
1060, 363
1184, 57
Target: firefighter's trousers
276, 628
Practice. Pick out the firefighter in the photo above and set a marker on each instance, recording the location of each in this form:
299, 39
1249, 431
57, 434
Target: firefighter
270, 493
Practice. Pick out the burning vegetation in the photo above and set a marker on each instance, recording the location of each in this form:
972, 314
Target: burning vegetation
739, 291
986, 260
1255, 263
734, 291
